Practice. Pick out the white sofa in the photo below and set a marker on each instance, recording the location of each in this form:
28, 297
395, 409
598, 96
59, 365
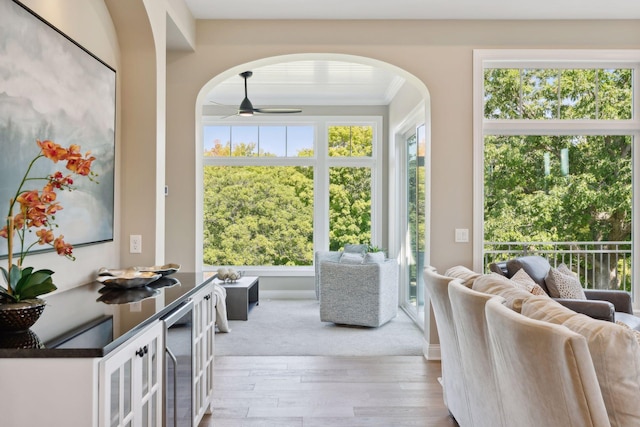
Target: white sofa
525, 360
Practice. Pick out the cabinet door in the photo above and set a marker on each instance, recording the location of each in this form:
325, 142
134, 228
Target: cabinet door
131, 382
203, 350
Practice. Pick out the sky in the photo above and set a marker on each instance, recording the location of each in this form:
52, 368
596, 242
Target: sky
282, 141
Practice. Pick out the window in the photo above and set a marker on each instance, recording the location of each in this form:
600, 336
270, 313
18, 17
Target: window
554, 160
274, 193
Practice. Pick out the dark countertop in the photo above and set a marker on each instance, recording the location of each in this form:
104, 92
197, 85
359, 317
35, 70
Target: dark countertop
91, 320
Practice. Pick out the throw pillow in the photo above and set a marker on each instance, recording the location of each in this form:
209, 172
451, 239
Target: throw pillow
496, 284
374, 258
523, 280
562, 283
356, 249
463, 273
351, 258
614, 351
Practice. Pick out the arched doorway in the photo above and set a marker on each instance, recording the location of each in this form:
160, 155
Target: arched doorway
403, 110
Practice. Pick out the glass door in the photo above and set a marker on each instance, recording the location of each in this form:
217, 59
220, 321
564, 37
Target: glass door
416, 221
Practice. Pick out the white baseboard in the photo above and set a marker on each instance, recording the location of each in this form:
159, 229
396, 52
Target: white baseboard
431, 351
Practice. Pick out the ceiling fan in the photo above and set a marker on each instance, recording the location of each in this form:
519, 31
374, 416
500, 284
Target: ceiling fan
246, 108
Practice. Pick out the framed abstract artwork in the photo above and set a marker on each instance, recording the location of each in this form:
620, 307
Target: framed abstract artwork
51, 88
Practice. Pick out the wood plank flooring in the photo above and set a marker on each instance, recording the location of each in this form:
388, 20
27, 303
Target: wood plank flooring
324, 391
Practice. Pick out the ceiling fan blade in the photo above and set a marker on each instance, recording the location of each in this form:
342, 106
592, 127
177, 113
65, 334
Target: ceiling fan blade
246, 108
277, 110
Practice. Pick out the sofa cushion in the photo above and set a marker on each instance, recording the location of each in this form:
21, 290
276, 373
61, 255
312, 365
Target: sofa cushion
629, 320
615, 353
496, 284
351, 258
374, 257
465, 275
562, 283
535, 266
522, 279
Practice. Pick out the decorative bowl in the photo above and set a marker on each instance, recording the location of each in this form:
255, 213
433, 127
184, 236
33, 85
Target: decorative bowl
164, 270
126, 279
126, 296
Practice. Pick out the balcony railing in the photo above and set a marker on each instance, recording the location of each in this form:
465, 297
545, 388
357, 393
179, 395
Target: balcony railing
599, 265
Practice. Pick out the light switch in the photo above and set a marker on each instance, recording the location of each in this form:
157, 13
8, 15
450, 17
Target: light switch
462, 235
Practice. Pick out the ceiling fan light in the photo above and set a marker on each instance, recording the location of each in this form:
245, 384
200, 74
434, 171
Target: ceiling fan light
246, 108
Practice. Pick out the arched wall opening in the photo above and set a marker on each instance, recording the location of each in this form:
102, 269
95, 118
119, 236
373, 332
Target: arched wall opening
419, 98
408, 107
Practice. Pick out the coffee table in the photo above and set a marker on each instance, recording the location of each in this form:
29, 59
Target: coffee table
242, 295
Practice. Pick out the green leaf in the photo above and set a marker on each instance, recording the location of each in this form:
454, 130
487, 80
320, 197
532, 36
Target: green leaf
15, 274
36, 289
26, 284
5, 275
29, 279
4, 295
33, 284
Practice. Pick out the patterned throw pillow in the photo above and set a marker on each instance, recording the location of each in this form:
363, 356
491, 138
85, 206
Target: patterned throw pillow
524, 281
562, 283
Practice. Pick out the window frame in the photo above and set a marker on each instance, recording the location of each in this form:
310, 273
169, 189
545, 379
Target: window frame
559, 58
321, 162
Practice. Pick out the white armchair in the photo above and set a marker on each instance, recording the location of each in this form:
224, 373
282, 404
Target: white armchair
358, 294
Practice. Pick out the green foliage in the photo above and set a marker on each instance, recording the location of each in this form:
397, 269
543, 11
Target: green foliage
258, 216
263, 215
543, 188
25, 283
349, 206
350, 141
591, 203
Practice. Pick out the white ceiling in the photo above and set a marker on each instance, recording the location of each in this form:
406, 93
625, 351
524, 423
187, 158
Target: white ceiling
339, 83
311, 83
414, 9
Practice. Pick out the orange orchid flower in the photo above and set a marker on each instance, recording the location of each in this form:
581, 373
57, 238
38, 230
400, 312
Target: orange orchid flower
62, 247
37, 209
52, 151
44, 236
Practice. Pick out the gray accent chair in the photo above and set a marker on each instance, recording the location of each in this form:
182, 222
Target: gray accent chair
601, 304
321, 256
358, 294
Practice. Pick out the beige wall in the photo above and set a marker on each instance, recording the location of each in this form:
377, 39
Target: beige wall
438, 53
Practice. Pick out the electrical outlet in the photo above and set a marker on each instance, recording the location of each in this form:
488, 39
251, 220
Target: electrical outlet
135, 244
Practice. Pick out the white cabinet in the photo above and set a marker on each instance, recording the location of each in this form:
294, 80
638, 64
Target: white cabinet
204, 321
131, 381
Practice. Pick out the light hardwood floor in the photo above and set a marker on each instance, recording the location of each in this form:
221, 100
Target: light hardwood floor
323, 391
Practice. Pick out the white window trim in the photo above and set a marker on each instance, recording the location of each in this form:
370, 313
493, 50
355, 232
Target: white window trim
321, 162
543, 58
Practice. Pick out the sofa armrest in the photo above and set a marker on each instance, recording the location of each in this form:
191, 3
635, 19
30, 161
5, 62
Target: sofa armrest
621, 300
601, 310
321, 256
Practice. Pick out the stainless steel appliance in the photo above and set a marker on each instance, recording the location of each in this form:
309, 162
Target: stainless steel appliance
178, 366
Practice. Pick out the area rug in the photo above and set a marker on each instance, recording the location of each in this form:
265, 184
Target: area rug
281, 327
